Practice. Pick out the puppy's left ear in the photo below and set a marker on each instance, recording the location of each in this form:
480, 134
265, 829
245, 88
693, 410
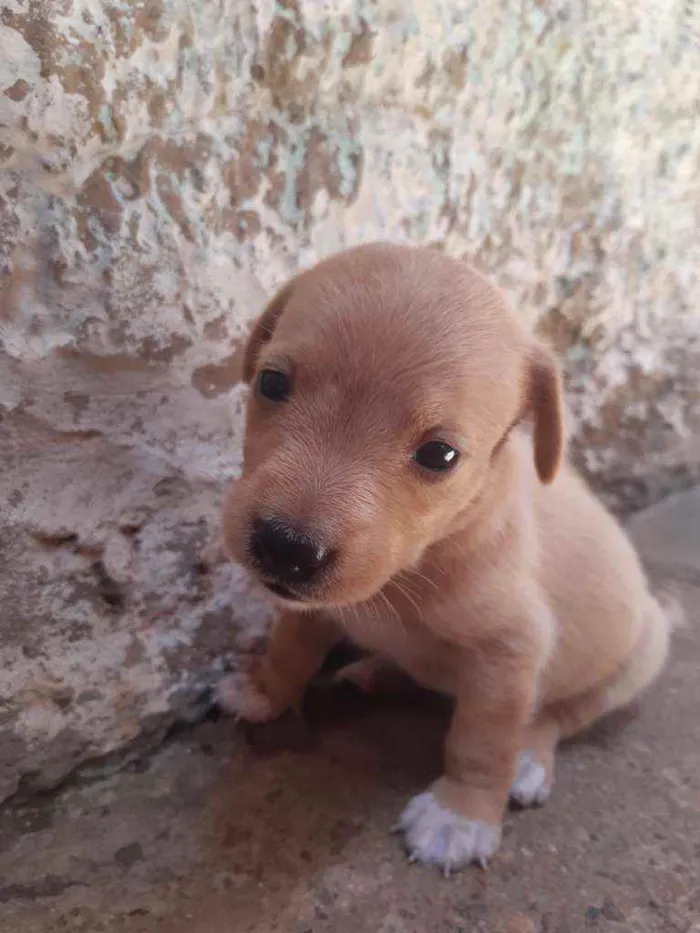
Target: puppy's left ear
263, 330
544, 402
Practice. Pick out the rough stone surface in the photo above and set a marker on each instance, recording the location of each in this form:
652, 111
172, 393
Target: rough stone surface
164, 164
286, 828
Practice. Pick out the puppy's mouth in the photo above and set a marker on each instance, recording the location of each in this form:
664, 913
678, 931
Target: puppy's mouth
301, 598
281, 590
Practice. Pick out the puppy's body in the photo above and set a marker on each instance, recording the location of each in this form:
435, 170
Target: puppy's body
497, 579
596, 604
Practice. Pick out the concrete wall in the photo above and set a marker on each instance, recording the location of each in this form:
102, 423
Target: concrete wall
164, 164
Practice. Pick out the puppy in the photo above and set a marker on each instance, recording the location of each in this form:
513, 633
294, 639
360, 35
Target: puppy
404, 486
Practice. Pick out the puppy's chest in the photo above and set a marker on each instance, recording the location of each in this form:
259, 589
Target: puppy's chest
397, 632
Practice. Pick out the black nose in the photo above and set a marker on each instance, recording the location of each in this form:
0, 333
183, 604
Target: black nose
285, 552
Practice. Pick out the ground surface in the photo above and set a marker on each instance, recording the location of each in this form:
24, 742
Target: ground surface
287, 828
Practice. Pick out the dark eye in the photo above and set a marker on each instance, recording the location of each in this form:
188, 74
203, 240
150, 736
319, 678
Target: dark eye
436, 456
273, 385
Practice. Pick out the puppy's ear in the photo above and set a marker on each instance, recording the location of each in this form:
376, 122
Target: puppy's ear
263, 330
545, 404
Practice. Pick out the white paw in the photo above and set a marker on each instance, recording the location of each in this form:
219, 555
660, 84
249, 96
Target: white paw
237, 694
438, 836
532, 784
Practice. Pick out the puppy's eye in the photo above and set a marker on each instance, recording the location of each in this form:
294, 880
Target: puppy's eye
273, 385
436, 456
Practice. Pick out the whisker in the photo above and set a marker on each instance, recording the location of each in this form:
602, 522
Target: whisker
423, 577
390, 606
408, 596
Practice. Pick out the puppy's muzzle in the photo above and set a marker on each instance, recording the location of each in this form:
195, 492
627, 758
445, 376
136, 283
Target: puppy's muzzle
287, 557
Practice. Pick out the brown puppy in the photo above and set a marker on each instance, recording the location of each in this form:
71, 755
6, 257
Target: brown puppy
403, 486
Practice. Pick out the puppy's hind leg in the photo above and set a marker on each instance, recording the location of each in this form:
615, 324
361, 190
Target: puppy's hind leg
535, 773
635, 675
648, 658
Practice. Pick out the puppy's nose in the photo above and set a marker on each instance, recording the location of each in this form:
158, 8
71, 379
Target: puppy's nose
286, 552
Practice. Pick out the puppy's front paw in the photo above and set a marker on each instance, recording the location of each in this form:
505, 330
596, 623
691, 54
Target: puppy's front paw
239, 695
532, 784
436, 835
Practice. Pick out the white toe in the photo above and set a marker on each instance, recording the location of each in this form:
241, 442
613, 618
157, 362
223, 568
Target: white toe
531, 785
436, 835
237, 694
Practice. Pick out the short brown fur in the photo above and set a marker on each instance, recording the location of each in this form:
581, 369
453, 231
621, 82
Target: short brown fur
503, 583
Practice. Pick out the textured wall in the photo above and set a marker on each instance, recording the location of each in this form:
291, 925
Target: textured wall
164, 164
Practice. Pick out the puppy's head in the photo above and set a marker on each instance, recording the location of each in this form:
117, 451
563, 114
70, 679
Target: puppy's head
384, 382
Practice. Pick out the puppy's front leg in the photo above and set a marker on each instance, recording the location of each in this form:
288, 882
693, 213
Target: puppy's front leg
271, 683
458, 820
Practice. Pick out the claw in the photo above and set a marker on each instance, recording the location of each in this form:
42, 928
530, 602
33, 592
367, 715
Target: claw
438, 836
